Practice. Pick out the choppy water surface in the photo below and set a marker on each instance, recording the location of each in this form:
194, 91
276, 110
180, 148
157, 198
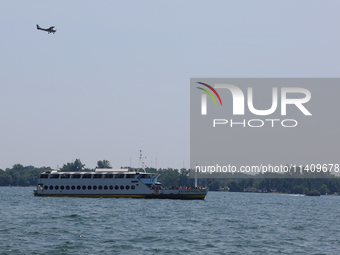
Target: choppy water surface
236, 223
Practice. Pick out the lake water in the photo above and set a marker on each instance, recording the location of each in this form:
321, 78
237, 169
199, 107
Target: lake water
233, 223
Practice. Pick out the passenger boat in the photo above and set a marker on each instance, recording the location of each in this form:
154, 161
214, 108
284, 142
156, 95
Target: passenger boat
111, 183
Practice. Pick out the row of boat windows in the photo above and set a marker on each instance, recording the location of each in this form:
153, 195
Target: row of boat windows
89, 187
92, 176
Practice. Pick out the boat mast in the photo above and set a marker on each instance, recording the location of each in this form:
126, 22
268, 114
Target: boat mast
141, 160
195, 178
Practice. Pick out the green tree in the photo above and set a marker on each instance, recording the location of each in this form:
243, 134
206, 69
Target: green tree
256, 185
234, 186
18, 167
103, 164
214, 185
75, 166
184, 179
298, 189
5, 178
324, 189
170, 177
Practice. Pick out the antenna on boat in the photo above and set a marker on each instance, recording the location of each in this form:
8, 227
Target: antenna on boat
141, 160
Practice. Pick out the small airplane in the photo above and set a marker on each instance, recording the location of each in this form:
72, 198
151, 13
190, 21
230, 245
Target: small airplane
49, 30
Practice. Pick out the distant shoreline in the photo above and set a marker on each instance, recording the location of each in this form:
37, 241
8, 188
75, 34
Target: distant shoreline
334, 194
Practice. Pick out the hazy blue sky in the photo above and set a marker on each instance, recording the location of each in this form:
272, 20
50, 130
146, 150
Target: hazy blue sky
117, 73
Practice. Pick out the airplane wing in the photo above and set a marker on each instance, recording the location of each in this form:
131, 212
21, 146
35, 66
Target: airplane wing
51, 27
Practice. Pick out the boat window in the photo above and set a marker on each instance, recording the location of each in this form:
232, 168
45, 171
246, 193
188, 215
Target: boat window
122, 187
108, 175
73, 187
133, 187
127, 187
87, 176
51, 187
45, 187
56, 187
62, 187
89, 187
98, 176
76, 176
145, 176
44, 176
54, 176
78, 187
119, 176
111, 187
84, 187
65, 176
116, 187
131, 176
67, 187
94, 187
100, 187
105, 187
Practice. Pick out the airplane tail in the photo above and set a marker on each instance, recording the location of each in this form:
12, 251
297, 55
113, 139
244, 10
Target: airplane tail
38, 27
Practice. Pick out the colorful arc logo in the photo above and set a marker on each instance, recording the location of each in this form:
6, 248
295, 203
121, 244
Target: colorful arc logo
213, 90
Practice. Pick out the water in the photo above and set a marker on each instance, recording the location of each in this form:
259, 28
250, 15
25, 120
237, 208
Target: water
234, 223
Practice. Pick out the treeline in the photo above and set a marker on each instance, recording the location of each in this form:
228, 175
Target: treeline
20, 175
281, 185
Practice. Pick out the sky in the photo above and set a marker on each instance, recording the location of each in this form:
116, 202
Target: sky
115, 77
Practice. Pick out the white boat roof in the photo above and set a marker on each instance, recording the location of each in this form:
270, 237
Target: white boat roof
103, 171
110, 170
